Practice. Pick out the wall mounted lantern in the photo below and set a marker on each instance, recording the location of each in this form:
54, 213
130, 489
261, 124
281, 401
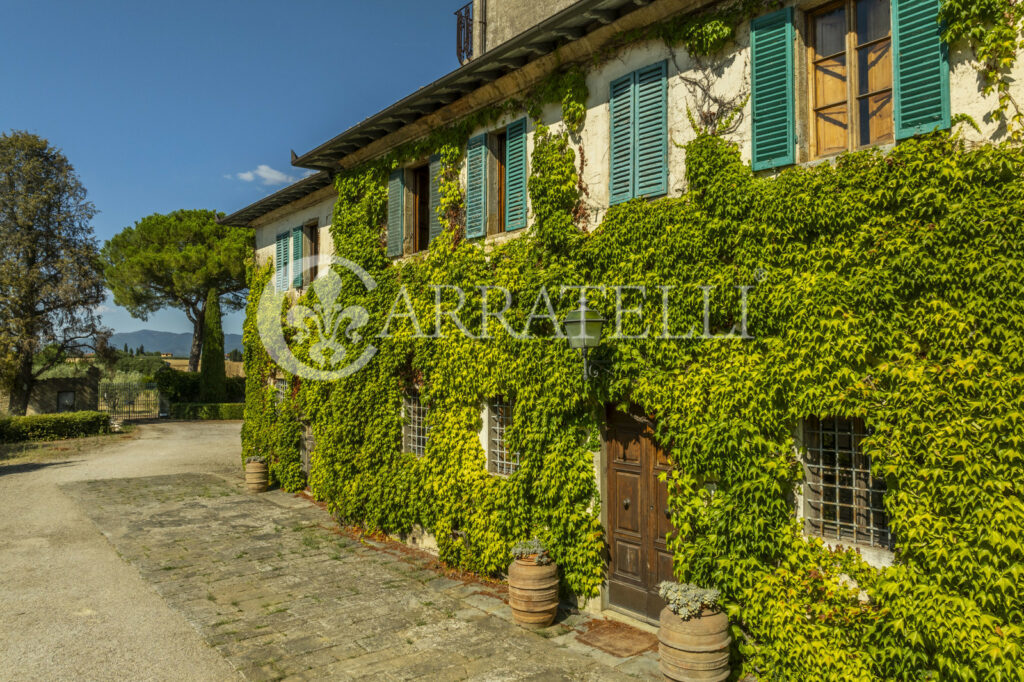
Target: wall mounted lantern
583, 328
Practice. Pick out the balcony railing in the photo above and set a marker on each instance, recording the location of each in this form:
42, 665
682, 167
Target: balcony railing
464, 33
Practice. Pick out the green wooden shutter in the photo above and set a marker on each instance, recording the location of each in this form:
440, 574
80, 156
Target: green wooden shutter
651, 174
435, 196
297, 257
279, 261
772, 96
282, 261
921, 68
396, 204
476, 187
621, 107
515, 175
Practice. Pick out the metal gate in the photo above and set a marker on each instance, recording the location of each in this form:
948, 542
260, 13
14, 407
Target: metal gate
131, 401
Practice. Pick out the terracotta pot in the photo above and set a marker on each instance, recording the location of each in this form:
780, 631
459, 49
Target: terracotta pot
256, 477
533, 592
695, 649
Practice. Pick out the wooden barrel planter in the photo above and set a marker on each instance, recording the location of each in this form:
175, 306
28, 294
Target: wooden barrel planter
695, 649
256, 477
533, 592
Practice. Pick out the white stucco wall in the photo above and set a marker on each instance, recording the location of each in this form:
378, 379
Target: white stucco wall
731, 77
288, 217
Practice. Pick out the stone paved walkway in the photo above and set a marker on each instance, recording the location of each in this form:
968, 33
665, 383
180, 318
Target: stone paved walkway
268, 582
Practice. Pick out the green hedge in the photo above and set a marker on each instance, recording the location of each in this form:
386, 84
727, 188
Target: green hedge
53, 426
206, 411
183, 387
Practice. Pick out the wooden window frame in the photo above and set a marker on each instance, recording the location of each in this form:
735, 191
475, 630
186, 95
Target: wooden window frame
419, 190
311, 250
851, 48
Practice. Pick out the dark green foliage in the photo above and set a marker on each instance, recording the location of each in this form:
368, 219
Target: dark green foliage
211, 369
50, 283
174, 261
183, 387
147, 365
891, 291
207, 411
53, 426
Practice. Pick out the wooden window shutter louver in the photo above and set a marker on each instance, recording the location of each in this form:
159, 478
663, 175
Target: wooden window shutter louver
396, 204
476, 187
772, 97
921, 69
515, 176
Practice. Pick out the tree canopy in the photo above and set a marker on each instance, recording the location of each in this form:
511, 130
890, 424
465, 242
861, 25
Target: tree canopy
50, 281
173, 261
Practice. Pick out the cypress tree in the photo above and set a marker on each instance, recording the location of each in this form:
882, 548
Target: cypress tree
211, 368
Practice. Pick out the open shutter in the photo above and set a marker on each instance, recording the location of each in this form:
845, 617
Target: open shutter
622, 138
921, 68
297, 257
435, 197
772, 96
476, 187
279, 262
515, 175
651, 175
396, 204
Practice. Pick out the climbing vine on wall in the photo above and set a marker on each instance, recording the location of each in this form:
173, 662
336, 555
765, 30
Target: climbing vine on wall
887, 289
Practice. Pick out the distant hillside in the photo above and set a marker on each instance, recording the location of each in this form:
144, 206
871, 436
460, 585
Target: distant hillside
167, 342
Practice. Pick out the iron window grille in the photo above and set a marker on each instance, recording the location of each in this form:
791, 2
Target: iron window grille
500, 460
414, 430
842, 500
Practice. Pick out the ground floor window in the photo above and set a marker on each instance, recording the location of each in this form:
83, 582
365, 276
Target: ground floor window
414, 427
66, 401
842, 500
500, 459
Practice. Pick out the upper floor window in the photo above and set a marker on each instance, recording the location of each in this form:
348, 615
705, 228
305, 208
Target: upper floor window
638, 108
501, 459
878, 71
414, 428
496, 174
413, 199
296, 256
851, 76
842, 500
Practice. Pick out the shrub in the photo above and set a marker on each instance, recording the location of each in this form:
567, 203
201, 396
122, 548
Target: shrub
183, 387
212, 384
53, 426
207, 411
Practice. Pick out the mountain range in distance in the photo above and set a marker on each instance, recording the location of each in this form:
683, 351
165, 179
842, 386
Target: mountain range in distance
178, 345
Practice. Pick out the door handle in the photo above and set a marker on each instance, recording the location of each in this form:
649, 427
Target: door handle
625, 503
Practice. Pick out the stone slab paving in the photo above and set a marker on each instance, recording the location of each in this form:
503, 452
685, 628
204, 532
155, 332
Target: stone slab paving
269, 582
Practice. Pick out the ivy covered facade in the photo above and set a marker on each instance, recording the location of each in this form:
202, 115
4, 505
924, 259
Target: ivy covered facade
803, 225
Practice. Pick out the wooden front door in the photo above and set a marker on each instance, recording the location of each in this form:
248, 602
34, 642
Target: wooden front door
638, 517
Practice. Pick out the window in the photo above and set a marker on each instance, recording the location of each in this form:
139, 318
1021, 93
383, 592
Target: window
878, 71
496, 175
842, 500
413, 199
421, 204
65, 401
414, 427
499, 459
500, 144
311, 234
638, 108
851, 76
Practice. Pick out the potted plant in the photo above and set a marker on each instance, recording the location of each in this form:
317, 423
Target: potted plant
533, 585
694, 634
256, 474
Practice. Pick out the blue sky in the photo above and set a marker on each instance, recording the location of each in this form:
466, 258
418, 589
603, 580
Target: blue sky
166, 105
